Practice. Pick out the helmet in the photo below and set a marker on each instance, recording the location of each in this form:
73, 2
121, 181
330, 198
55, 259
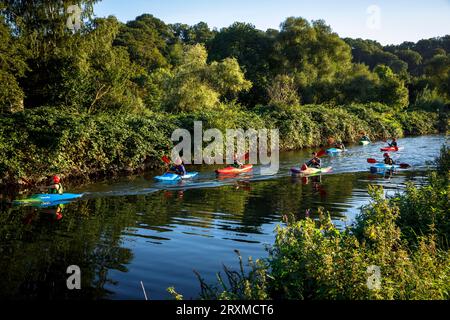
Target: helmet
386, 155
56, 179
394, 139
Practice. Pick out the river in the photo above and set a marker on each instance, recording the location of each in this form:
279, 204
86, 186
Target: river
132, 229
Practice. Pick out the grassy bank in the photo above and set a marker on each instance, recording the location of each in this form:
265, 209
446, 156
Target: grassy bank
37, 143
406, 236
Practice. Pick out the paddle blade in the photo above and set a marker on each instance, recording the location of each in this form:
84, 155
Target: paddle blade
321, 153
404, 165
247, 156
165, 159
370, 160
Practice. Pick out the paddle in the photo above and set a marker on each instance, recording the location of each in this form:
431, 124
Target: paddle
321, 153
166, 159
402, 165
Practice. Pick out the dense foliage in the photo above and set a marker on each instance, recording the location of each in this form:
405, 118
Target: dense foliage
405, 236
303, 79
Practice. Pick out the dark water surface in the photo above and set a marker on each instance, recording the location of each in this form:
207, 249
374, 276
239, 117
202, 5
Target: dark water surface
131, 230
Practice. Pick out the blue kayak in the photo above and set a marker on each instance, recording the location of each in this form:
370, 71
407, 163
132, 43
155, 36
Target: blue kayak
171, 177
46, 198
334, 151
382, 168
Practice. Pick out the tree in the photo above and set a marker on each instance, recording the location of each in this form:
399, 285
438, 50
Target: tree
45, 22
228, 78
195, 84
372, 53
412, 58
147, 40
12, 67
392, 90
283, 92
254, 51
437, 70
196, 34
312, 54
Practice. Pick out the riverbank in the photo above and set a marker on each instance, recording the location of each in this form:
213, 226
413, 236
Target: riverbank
38, 143
397, 249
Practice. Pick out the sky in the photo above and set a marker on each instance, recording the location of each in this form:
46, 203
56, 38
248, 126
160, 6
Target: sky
387, 21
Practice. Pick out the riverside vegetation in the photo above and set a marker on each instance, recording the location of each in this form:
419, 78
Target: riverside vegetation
104, 100
406, 236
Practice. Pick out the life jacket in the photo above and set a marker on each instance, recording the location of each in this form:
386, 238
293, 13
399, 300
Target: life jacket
179, 169
237, 164
58, 190
315, 162
388, 161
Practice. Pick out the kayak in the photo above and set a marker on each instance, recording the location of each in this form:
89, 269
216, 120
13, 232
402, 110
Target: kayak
233, 170
48, 198
391, 149
382, 168
310, 171
168, 176
334, 151
364, 142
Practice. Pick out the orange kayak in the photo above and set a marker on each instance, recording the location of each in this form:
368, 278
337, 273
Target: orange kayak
233, 170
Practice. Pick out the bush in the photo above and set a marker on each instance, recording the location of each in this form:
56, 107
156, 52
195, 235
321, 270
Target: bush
418, 122
42, 142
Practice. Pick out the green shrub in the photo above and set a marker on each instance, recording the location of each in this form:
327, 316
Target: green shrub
42, 142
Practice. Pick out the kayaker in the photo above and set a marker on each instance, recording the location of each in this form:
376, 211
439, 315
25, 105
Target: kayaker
315, 162
237, 163
393, 143
178, 167
365, 138
388, 160
339, 145
56, 187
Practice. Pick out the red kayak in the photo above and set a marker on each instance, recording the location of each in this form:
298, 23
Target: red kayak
391, 149
233, 170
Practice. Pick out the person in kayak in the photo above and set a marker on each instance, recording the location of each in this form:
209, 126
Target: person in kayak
388, 160
178, 167
339, 145
315, 162
237, 163
365, 138
56, 187
393, 143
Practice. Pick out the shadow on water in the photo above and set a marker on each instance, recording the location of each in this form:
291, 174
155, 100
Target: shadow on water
136, 230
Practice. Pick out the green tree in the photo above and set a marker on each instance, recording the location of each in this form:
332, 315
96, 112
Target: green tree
147, 40
195, 84
412, 58
312, 53
198, 33
254, 51
392, 90
12, 67
283, 92
437, 70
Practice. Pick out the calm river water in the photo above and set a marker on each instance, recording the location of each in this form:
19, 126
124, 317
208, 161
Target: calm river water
133, 229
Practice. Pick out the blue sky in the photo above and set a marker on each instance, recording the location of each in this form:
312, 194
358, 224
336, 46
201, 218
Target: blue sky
389, 22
